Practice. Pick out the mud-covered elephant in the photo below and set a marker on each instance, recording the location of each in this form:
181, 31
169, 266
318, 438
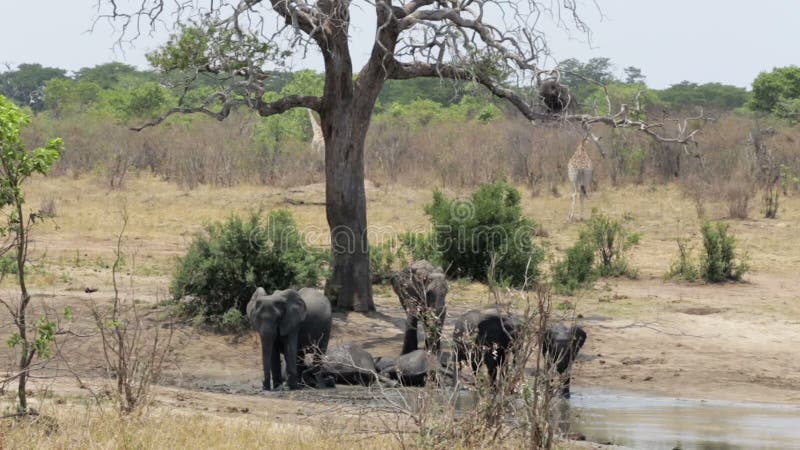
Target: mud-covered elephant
484, 337
560, 347
349, 363
291, 323
422, 288
413, 368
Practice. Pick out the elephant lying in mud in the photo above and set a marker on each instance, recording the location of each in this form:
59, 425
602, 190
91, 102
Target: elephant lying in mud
560, 348
412, 369
484, 337
348, 363
291, 323
422, 288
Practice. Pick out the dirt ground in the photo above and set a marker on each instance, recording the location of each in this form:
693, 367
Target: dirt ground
734, 341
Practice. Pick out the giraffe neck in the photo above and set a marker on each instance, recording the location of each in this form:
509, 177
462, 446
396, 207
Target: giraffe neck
314, 125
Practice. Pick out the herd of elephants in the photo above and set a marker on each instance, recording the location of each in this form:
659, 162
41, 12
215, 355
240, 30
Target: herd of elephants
296, 323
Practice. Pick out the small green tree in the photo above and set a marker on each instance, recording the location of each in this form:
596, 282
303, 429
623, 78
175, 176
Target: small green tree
610, 239
16, 165
575, 270
719, 262
225, 264
489, 228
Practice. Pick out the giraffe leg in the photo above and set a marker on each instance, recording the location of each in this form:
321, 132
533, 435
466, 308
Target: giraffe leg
572, 208
581, 219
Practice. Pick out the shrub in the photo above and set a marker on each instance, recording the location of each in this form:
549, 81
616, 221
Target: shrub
610, 240
719, 262
469, 233
234, 321
575, 270
226, 262
396, 254
684, 267
382, 259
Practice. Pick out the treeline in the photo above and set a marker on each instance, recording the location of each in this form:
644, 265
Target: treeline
424, 132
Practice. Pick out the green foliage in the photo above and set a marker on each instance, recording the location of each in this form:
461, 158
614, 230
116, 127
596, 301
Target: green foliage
395, 254
709, 95
65, 96
609, 239
383, 259
719, 261
634, 75
113, 75
443, 92
25, 84
16, 163
224, 265
619, 93
143, 101
234, 321
575, 270
469, 234
684, 267
772, 88
575, 75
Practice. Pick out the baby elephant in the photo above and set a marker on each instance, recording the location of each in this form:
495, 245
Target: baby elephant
560, 348
484, 337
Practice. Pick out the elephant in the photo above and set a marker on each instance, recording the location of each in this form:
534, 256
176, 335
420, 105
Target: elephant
291, 323
412, 368
422, 288
484, 337
560, 347
349, 363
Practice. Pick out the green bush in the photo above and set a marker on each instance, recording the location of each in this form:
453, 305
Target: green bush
382, 258
226, 262
719, 262
234, 321
610, 240
575, 270
387, 257
469, 234
684, 267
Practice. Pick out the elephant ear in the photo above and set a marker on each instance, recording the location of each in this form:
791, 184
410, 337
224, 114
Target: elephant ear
579, 338
251, 305
294, 313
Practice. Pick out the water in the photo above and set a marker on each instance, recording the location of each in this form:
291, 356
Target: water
652, 422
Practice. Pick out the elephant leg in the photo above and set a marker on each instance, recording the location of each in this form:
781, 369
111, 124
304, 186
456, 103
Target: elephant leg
275, 368
291, 362
268, 355
410, 342
491, 366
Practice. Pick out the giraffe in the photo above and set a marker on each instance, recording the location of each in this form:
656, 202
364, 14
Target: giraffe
579, 170
317, 140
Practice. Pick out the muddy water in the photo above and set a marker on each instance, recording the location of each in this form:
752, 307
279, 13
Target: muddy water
651, 422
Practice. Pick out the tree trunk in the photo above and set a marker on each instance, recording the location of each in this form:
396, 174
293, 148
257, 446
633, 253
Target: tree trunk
350, 286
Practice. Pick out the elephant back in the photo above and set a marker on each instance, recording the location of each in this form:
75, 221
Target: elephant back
315, 330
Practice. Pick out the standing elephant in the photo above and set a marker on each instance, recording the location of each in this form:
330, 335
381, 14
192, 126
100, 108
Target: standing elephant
484, 337
291, 323
560, 347
422, 288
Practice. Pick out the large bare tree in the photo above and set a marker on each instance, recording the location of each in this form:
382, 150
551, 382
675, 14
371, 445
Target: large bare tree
498, 44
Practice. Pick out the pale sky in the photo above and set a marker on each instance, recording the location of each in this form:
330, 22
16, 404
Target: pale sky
727, 41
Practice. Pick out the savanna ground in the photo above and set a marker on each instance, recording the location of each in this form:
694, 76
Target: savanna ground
735, 341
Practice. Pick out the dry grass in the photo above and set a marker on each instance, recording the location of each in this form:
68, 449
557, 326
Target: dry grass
87, 427
163, 218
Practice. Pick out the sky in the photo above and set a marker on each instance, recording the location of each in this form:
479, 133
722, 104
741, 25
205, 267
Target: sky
726, 41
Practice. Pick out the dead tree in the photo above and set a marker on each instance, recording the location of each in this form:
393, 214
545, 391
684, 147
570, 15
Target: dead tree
493, 43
